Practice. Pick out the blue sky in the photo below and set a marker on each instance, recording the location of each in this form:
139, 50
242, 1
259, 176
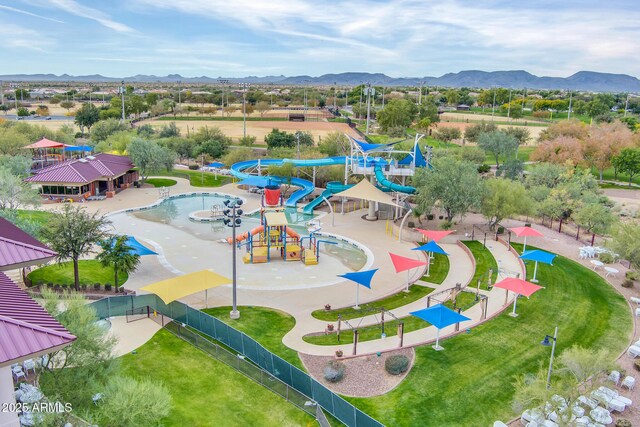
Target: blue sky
252, 37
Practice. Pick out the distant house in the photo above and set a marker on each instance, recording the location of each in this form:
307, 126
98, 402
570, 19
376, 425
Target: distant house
27, 331
99, 175
463, 107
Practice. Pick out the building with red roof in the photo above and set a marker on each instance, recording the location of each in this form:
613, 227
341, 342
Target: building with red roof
102, 174
18, 249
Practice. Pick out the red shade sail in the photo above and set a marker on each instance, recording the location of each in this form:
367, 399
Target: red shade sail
435, 235
402, 263
526, 231
45, 143
518, 286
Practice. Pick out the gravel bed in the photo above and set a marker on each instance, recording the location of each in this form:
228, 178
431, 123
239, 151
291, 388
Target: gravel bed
364, 376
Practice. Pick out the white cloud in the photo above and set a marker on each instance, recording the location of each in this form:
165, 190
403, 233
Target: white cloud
26, 12
75, 8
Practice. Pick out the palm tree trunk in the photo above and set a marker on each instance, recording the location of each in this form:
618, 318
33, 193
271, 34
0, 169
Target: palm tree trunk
76, 274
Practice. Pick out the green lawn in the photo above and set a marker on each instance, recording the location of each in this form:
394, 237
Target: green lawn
438, 269
470, 383
91, 271
266, 325
39, 217
206, 392
394, 301
610, 176
484, 262
161, 182
524, 152
200, 179
611, 185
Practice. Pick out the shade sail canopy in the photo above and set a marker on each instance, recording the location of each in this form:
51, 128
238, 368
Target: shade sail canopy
360, 277
45, 143
432, 246
518, 286
85, 148
275, 219
258, 181
188, 284
364, 190
435, 235
216, 165
401, 263
538, 256
419, 161
439, 316
526, 232
366, 147
138, 248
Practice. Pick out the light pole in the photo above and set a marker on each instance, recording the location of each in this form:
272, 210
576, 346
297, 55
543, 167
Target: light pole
122, 90
223, 83
509, 106
335, 96
493, 106
233, 213
420, 95
626, 106
244, 87
570, 99
370, 91
545, 342
180, 92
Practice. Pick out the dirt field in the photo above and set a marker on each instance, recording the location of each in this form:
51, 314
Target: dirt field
453, 116
257, 129
534, 131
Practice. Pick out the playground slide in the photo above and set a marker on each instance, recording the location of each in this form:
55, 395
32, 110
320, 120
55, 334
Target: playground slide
246, 234
292, 233
385, 183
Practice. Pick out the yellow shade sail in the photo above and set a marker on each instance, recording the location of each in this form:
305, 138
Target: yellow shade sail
366, 191
178, 287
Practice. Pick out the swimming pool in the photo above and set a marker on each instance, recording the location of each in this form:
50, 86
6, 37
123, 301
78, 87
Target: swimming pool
186, 246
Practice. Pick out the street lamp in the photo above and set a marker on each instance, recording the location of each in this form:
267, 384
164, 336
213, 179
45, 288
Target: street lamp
223, 82
179, 92
547, 343
122, 90
233, 214
370, 91
244, 87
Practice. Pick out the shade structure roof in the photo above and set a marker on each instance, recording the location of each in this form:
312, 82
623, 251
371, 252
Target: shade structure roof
179, 287
364, 190
435, 235
85, 170
367, 147
78, 148
526, 231
419, 161
518, 286
26, 329
432, 246
439, 316
274, 219
360, 277
18, 249
401, 263
216, 165
538, 256
45, 143
138, 248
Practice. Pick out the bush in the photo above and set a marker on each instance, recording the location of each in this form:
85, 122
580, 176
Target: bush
334, 371
194, 167
621, 422
500, 230
107, 286
636, 365
411, 224
84, 286
396, 365
484, 168
606, 257
446, 225
430, 217
631, 275
395, 131
627, 283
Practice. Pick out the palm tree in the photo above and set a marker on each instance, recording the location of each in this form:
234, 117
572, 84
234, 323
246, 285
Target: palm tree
116, 253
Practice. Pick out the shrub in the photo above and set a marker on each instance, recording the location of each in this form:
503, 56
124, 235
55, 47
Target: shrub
627, 283
339, 353
84, 286
411, 224
430, 217
631, 275
606, 257
334, 371
621, 422
396, 365
446, 225
194, 167
395, 131
96, 286
500, 230
484, 168
107, 286
636, 365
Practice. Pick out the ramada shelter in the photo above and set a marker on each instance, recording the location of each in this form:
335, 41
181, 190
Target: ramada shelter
99, 175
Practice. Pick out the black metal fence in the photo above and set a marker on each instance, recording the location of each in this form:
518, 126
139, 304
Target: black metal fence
265, 367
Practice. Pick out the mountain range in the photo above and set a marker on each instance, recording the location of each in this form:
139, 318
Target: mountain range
583, 80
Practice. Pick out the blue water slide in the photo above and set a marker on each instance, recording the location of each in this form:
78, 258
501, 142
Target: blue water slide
309, 207
385, 183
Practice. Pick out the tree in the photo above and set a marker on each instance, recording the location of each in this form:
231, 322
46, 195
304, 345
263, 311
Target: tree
474, 155
134, 402
285, 171
397, 113
304, 138
72, 233
605, 142
67, 105
561, 150
247, 141
626, 242
473, 132
499, 144
14, 192
570, 128
18, 165
447, 134
230, 109
503, 198
628, 162
594, 217
522, 134
169, 131
456, 185
115, 252
42, 111
511, 169
334, 144
136, 105
262, 107
104, 128
22, 112
423, 125
277, 138
5, 108
87, 116
597, 108
238, 155
149, 157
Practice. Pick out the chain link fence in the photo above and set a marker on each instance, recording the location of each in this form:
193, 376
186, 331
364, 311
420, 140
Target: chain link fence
245, 354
